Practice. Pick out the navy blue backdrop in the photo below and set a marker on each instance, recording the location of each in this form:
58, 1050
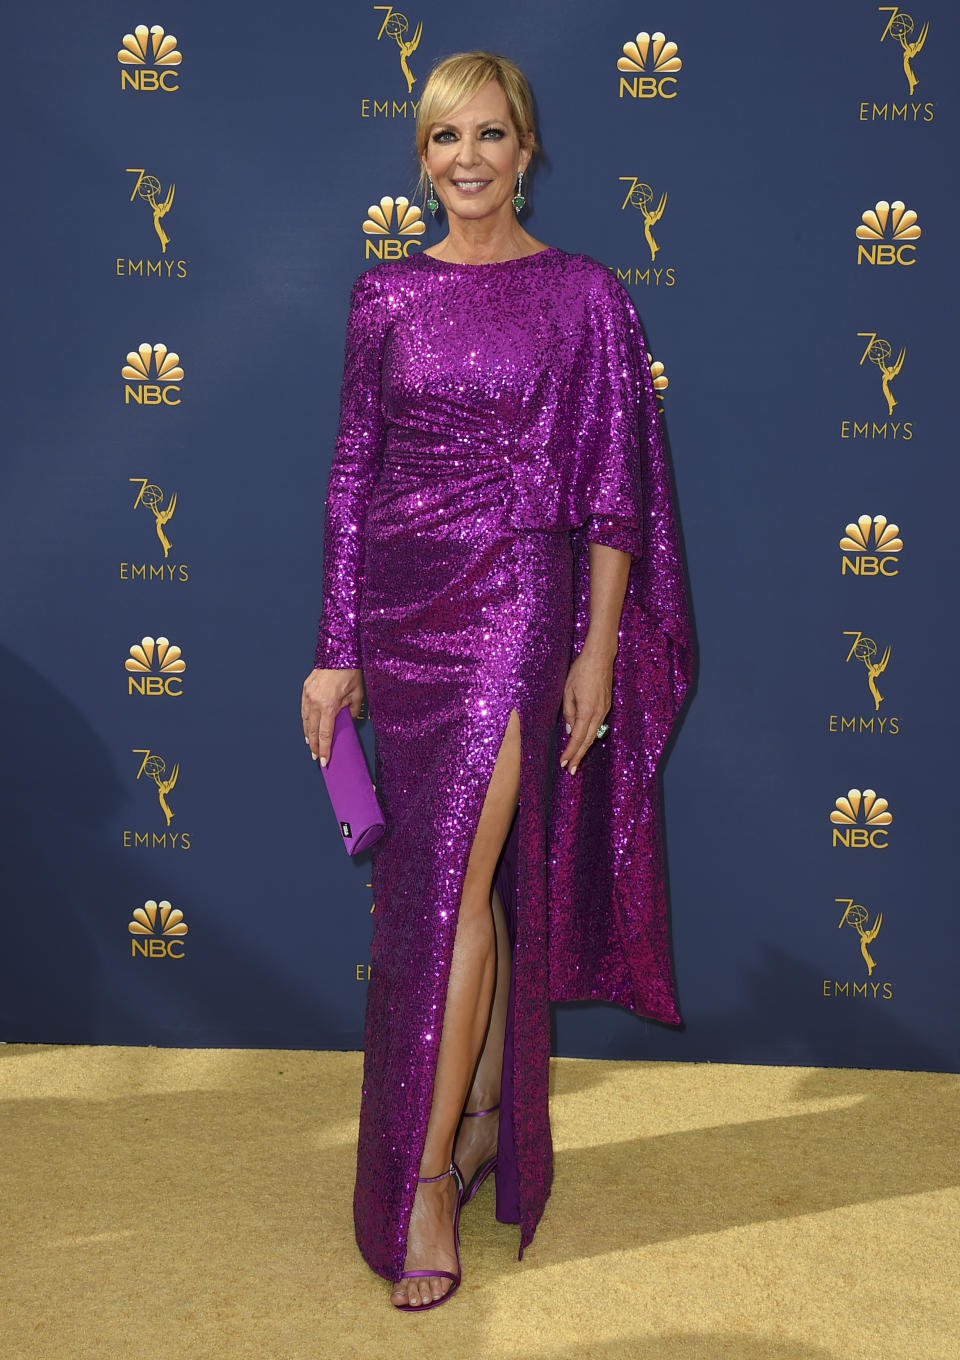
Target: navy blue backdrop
769, 183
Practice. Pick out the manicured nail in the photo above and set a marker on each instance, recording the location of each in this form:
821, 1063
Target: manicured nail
573, 769
323, 760
562, 763
569, 728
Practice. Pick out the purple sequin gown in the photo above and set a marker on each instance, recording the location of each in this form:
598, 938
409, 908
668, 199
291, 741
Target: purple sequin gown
494, 419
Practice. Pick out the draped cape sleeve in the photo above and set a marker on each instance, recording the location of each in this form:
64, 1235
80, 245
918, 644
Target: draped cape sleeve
608, 926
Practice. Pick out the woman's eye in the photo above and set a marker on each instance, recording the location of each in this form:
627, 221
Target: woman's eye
444, 136
494, 133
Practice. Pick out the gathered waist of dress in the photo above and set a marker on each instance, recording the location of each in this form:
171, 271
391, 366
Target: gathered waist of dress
409, 449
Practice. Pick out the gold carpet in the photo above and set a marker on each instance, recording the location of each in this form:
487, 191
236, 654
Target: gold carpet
192, 1204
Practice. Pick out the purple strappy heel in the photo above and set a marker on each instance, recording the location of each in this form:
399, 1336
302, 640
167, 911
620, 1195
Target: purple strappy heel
453, 1170
484, 1169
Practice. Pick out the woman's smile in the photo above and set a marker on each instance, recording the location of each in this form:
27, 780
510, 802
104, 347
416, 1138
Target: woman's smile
470, 186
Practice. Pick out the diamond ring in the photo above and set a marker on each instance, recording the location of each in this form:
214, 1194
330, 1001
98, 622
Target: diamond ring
603, 729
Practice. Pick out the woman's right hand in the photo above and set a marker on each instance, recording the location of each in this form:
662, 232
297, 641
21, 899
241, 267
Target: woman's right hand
325, 692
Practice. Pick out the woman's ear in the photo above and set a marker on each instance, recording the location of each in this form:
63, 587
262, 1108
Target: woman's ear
526, 151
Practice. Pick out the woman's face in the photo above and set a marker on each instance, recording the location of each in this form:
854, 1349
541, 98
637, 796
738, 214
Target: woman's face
473, 156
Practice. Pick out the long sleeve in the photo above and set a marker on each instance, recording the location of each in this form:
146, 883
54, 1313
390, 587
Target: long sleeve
353, 472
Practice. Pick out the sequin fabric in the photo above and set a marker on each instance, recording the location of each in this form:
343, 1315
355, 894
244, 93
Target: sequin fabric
495, 419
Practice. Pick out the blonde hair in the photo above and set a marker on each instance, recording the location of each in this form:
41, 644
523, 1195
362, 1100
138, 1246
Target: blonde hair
456, 79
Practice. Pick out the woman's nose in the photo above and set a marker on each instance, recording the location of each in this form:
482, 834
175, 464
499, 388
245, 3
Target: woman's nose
468, 153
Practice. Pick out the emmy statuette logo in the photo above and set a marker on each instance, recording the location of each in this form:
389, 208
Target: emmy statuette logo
906, 39
877, 533
641, 197
647, 65
393, 228
149, 191
879, 353
362, 970
154, 767
902, 29
148, 58
887, 234
151, 496
156, 362
396, 27
154, 668
866, 650
154, 770
860, 821
855, 919
157, 930
874, 721
161, 507
858, 918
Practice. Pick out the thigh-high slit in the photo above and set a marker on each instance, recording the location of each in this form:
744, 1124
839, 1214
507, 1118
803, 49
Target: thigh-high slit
457, 631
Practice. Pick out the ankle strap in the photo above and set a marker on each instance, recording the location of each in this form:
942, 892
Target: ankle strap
450, 1171
475, 1114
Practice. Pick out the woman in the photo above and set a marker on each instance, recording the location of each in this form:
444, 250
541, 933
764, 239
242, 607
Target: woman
501, 572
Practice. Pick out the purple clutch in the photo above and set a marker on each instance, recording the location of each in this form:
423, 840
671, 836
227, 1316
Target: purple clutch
350, 787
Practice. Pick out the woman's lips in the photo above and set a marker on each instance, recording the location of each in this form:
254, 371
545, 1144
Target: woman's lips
471, 186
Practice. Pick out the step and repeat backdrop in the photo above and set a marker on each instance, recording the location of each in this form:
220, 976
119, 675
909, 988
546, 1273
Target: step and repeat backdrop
191, 191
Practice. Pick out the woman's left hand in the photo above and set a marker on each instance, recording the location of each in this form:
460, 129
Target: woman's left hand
586, 702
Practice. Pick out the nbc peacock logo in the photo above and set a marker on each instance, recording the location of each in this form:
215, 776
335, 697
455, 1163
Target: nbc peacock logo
860, 820
659, 375
148, 58
647, 67
155, 667
887, 234
157, 930
393, 228
153, 376
871, 547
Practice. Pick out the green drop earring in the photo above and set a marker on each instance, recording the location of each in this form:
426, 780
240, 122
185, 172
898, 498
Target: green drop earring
518, 198
431, 204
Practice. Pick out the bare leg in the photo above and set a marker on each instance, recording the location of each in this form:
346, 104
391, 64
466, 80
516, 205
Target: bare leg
476, 1139
466, 1019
